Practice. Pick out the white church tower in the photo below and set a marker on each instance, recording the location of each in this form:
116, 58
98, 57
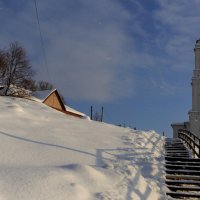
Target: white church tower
194, 114
193, 125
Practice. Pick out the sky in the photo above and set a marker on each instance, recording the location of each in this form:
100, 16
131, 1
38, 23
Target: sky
133, 57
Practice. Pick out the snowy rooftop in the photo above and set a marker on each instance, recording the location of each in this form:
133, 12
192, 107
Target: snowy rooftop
40, 96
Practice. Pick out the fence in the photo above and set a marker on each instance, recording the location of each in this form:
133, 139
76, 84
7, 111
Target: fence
191, 140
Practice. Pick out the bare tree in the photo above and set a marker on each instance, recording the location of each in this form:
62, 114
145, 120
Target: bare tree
15, 68
43, 85
29, 84
2, 66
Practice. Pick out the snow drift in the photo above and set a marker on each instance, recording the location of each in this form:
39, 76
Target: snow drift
48, 155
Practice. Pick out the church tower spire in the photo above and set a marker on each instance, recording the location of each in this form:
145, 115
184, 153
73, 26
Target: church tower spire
194, 114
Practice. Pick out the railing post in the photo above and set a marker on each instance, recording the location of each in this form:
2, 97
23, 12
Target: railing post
199, 147
191, 140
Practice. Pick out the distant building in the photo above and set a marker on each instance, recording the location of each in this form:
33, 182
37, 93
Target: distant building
177, 126
194, 114
54, 100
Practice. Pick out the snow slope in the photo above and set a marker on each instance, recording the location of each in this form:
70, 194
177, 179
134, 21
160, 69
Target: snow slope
48, 155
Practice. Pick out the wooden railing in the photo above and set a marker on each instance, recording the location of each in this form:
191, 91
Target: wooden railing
191, 140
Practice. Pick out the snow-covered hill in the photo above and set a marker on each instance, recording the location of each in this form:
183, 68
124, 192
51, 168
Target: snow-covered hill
47, 155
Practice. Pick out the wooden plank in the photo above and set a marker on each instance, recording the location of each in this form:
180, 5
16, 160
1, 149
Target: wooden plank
190, 140
182, 182
183, 188
183, 177
168, 158
178, 148
183, 194
189, 167
175, 145
179, 156
183, 163
183, 172
177, 151
176, 154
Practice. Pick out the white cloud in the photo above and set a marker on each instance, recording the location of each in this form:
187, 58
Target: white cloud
87, 51
165, 87
178, 28
94, 47
85, 45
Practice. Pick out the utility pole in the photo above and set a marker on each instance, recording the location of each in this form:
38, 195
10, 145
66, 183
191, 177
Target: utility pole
91, 112
102, 109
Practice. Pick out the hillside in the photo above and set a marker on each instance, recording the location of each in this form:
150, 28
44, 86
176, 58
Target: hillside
48, 155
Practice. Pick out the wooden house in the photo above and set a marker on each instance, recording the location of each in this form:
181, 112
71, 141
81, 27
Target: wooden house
54, 100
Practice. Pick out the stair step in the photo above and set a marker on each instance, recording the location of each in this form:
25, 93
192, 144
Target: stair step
176, 154
183, 177
172, 139
177, 145
176, 151
183, 172
195, 160
173, 142
183, 194
182, 163
189, 167
182, 182
183, 188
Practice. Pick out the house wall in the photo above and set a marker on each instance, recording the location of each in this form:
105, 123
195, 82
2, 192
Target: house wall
53, 102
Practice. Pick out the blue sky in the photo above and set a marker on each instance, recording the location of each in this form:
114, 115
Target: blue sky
134, 57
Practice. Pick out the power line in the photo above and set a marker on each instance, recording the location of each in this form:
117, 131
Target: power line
42, 40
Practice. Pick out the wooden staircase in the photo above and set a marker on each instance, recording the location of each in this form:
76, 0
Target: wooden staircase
182, 171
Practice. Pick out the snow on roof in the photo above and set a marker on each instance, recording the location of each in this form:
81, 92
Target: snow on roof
74, 111
42, 95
